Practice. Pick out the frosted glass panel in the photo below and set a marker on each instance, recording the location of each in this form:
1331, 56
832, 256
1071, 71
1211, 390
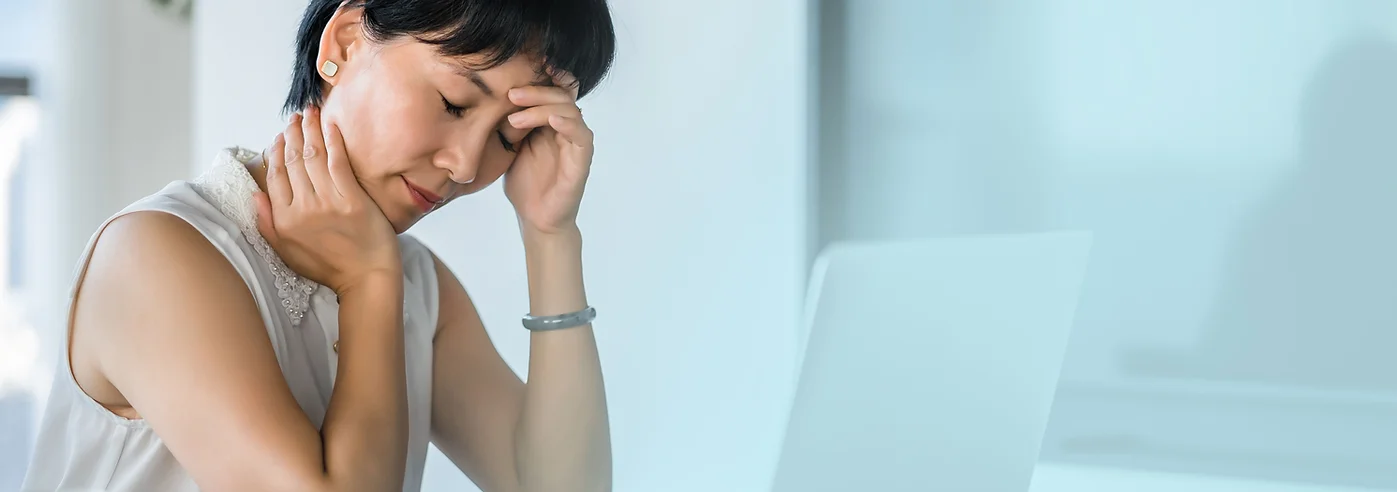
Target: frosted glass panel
1236, 161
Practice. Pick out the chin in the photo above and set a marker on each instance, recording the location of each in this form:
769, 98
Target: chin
402, 225
401, 220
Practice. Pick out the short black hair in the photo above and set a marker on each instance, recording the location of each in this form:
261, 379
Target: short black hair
575, 36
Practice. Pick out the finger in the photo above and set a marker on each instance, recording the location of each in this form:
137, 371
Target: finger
564, 79
265, 224
278, 187
341, 174
572, 129
537, 116
301, 187
539, 95
313, 153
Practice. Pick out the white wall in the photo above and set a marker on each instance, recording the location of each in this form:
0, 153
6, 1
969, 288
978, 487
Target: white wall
694, 222
242, 70
113, 84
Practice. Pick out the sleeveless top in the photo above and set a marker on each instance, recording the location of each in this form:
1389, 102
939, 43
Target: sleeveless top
83, 446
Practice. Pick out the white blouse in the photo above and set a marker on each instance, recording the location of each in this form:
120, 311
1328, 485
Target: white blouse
83, 446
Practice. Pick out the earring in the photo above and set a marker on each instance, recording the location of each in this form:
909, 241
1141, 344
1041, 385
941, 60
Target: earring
329, 68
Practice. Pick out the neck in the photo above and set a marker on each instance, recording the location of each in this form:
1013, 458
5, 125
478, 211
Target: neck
258, 169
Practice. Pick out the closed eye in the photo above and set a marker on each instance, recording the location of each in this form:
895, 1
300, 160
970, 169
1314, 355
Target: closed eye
452, 109
457, 112
505, 142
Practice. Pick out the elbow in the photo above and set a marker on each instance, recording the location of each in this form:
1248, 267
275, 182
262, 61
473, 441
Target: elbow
595, 477
326, 482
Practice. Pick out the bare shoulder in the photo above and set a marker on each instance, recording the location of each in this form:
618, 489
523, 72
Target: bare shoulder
146, 269
166, 330
151, 235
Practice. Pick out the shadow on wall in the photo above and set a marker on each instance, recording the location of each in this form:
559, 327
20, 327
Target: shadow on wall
1309, 291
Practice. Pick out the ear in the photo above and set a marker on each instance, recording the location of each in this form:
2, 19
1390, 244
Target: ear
342, 39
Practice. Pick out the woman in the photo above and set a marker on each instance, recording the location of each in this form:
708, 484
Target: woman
265, 327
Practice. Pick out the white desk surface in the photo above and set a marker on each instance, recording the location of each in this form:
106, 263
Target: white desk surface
1057, 477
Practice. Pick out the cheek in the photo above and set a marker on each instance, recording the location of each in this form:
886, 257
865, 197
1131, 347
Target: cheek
495, 167
386, 126
490, 171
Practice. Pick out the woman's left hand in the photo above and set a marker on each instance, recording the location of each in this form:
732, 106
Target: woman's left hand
546, 181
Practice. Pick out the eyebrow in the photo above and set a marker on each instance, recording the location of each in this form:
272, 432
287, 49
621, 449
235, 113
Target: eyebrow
475, 78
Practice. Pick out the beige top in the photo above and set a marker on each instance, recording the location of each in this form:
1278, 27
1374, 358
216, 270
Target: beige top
83, 446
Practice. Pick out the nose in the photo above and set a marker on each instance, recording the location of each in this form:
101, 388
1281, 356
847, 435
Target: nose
459, 168
460, 163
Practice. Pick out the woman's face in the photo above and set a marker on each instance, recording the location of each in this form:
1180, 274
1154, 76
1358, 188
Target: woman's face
421, 129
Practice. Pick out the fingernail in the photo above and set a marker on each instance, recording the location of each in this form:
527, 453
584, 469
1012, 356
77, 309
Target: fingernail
516, 118
515, 94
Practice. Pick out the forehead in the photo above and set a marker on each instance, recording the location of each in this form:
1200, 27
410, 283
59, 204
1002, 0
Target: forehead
521, 70
517, 72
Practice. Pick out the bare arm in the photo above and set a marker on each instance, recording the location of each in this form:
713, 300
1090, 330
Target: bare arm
168, 326
551, 434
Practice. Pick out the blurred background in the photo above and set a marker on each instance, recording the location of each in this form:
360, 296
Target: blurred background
1234, 159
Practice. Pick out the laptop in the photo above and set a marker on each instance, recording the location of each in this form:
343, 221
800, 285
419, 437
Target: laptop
930, 365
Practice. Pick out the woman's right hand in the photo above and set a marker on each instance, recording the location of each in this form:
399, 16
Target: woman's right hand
316, 216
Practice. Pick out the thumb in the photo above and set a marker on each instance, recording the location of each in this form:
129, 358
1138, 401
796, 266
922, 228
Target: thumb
264, 217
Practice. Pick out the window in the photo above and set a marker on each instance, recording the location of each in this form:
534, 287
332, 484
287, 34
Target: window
19, 343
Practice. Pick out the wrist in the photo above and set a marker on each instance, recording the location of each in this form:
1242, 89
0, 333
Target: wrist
561, 238
554, 267
383, 282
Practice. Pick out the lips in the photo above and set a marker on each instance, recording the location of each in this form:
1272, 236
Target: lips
425, 200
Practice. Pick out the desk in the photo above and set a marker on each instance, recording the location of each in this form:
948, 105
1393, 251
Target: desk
1057, 477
